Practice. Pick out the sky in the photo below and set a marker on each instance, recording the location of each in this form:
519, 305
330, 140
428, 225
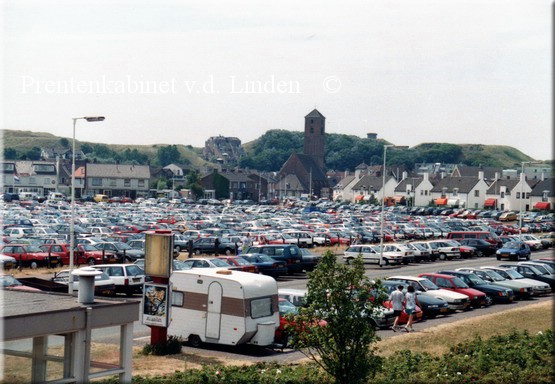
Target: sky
179, 72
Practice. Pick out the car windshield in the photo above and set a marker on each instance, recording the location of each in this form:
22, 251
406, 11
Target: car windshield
287, 308
241, 261
495, 276
219, 263
547, 268
266, 258
9, 281
134, 270
428, 285
512, 245
88, 247
459, 283
179, 265
123, 246
33, 248
476, 280
514, 274
536, 270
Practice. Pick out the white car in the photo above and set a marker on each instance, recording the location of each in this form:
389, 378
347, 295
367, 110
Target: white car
533, 242
423, 286
445, 251
128, 278
399, 249
202, 263
540, 288
103, 284
369, 255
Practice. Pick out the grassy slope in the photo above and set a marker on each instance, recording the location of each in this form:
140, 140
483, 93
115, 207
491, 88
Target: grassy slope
504, 156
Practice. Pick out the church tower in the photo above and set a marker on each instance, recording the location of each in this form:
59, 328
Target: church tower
315, 136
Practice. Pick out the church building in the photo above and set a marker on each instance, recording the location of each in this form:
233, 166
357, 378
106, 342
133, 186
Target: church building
303, 174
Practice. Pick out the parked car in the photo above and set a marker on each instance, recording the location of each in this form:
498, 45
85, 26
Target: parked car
7, 262
423, 286
494, 293
103, 284
10, 282
214, 262
309, 260
30, 255
455, 284
540, 288
483, 247
266, 264
421, 253
514, 250
287, 308
531, 272
122, 251
208, 245
431, 306
290, 254
445, 250
128, 278
237, 261
520, 290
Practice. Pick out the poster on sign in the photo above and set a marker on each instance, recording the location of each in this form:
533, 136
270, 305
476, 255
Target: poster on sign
155, 307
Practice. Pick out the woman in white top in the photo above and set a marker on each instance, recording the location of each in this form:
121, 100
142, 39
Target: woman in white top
411, 301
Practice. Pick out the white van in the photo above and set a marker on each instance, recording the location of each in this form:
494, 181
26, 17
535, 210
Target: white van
224, 307
56, 196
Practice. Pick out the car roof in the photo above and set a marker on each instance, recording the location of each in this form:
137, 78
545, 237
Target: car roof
416, 278
436, 274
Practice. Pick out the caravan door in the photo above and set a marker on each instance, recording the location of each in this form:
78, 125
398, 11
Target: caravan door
214, 315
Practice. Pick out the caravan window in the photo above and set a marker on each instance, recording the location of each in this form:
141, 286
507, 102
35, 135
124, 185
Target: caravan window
177, 298
261, 307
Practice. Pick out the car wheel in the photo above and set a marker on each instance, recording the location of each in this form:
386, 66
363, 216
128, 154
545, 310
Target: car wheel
177, 248
91, 261
227, 251
479, 253
442, 256
197, 252
489, 300
528, 257
194, 341
34, 264
498, 258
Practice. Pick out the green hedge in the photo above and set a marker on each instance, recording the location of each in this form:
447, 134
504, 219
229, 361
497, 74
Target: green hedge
514, 358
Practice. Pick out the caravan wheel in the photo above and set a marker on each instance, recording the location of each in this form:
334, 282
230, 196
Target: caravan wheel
194, 341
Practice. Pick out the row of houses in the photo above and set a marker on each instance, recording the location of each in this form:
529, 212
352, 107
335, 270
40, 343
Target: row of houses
481, 190
469, 187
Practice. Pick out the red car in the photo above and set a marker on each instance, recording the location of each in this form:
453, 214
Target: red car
83, 254
404, 318
30, 255
237, 261
453, 283
288, 308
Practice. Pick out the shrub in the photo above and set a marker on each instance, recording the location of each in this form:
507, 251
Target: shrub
171, 347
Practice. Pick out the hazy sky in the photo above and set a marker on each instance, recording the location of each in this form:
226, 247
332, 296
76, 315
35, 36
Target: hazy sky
178, 72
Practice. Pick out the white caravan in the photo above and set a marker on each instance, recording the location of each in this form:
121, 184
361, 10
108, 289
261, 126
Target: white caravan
224, 307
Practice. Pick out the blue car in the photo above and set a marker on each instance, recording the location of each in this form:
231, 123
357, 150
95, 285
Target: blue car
514, 250
266, 264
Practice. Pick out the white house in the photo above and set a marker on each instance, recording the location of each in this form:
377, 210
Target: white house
415, 190
467, 192
505, 194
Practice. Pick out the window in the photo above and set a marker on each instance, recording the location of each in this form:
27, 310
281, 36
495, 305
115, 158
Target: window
112, 182
426, 192
261, 307
32, 180
421, 192
477, 193
96, 181
44, 168
126, 182
141, 183
311, 129
518, 195
177, 298
502, 194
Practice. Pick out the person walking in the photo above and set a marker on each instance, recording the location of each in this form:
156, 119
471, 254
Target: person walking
190, 247
397, 302
217, 246
411, 301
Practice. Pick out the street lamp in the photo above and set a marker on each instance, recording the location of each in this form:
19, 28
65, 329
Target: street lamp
90, 119
383, 203
522, 180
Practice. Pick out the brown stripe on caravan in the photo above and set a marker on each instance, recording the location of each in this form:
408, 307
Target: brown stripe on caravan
195, 301
233, 307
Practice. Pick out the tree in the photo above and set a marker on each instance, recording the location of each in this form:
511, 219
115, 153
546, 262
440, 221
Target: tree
10, 154
193, 184
64, 142
347, 300
86, 148
168, 155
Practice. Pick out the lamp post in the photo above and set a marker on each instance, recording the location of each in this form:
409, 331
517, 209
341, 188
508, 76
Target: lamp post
522, 180
72, 215
383, 203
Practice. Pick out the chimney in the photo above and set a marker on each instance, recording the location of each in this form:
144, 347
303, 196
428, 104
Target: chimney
405, 175
425, 176
481, 175
497, 175
86, 284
